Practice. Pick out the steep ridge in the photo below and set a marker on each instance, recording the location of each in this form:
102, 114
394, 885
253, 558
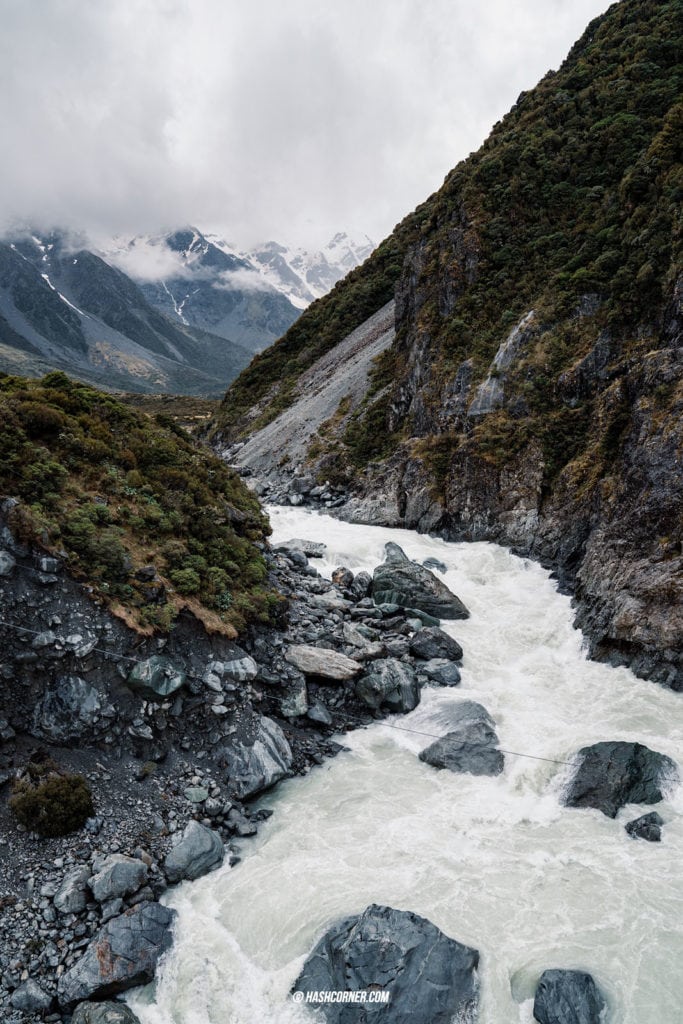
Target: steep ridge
533, 393
65, 308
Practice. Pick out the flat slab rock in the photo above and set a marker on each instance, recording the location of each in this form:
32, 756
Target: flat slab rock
431, 978
568, 997
402, 582
123, 955
612, 774
323, 662
470, 746
310, 548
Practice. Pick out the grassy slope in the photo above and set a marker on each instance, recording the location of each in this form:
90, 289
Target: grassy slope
114, 490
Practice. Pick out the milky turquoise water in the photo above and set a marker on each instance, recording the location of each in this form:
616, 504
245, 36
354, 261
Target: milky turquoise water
496, 863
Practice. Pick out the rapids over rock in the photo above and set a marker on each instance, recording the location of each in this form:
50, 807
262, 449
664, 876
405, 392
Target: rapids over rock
496, 862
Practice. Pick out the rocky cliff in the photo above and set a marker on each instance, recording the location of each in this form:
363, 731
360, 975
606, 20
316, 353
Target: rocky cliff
533, 391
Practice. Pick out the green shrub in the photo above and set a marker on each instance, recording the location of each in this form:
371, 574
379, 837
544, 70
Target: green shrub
54, 805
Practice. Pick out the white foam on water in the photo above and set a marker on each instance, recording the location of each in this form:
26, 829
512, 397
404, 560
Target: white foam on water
497, 863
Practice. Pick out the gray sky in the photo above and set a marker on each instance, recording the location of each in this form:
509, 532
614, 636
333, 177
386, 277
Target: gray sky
286, 119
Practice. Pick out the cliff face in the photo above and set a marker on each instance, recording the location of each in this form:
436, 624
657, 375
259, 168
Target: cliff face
533, 393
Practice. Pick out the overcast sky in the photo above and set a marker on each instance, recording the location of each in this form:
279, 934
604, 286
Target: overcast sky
257, 119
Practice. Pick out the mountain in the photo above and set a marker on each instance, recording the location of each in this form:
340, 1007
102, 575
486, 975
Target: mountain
213, 288
251, 297
506, 366
64, 307
304, 276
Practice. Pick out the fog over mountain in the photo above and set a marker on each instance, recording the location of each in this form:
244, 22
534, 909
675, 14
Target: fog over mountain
268, 120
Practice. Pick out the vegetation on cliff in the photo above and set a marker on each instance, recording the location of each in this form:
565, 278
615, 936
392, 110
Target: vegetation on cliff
115, 492
576, 193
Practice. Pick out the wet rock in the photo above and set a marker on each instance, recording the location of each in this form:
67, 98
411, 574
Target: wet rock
342, 577
323, 662
403, 582
361, 585
104, 1013
648, 827
432, 642
391, 684
199, 851
435, 563
31, 998
123, 955
7, 563
471, 744
295, 701
155, 678
431, 978
319, 713
612, 774
118, 876
69, 710
72, 895
310, 548
568, 997
256, 758
441, 672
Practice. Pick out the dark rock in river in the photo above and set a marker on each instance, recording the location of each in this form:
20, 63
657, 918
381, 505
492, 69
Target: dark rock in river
612, 774
123, 955
104, 1013
391, 684
471, 744
648, 827
257, 757
441, 672
400, 581
568, 997
432, 642
435, 563
310, 548
431, 978
199, 851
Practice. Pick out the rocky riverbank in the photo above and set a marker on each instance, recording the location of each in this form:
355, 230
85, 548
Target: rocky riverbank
175, 736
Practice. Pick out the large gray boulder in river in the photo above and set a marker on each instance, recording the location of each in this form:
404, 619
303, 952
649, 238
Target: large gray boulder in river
568, 997
123, 955
104, 1013
390, 684
471, 745
430, 978
400, 581
612, 774
257, 756
197, 852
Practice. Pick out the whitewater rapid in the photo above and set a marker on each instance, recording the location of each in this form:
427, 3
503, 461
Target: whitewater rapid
496, 863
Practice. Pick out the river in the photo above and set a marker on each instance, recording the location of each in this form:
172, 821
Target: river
496, 863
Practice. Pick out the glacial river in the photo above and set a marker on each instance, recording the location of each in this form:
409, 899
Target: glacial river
496, 863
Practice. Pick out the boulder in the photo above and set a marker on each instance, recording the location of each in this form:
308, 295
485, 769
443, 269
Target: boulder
256, 757
391, 684
123, 955
435, 563
403, 582
342, 577
431, 642
322, 662
431, 978
295, 701
648, 827
104, 1013
7, 563
361, 585
568, 997
155, 678
612, 774
72, 895
471, 744
199, 851
310, 548
69, 710
117, 876
441, 672
31, 998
